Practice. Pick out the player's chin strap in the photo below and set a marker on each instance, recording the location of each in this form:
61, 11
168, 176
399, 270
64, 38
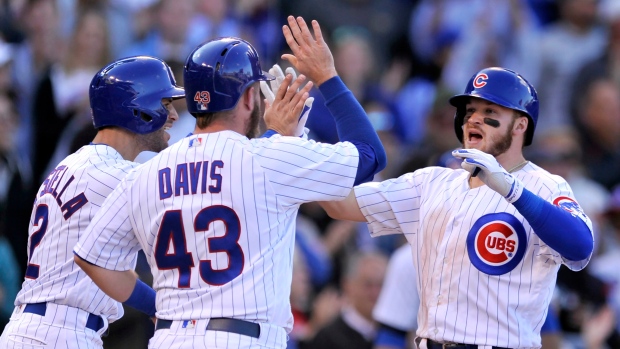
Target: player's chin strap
269, 93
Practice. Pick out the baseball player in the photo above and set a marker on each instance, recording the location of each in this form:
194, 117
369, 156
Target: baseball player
487, 239
58, 305
215, 212
396, 310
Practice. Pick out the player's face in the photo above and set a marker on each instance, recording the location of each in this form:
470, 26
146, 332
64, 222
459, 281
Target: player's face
252, 125
488, 127
158, 140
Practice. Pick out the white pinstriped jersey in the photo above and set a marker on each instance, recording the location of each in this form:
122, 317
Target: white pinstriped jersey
398, 301
65, 204
215, 215
484, 277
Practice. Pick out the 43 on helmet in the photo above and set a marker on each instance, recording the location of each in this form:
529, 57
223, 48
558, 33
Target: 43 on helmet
128, 93
217, 73
503, 87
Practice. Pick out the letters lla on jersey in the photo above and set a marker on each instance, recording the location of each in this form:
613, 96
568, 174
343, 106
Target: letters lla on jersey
496, 243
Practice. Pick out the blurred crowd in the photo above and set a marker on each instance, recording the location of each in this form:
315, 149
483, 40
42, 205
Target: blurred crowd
402, 59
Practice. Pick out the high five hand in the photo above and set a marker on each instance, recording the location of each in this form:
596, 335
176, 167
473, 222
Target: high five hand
268, 92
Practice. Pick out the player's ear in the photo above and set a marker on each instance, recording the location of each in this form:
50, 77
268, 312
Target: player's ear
520, 126
249, 97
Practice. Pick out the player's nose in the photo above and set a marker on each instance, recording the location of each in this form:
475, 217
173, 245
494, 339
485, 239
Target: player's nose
172, 114
475, 118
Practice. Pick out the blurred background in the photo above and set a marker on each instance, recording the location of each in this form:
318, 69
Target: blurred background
402, 59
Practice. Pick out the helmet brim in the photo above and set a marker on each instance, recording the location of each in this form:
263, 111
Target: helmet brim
177, 93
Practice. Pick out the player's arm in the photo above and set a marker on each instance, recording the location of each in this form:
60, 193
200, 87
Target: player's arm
312, 57
570, 235
122, 286
344, 209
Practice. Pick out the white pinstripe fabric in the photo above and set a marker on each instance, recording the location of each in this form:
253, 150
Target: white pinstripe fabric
435, 209
94, 170
197, 337
264, 181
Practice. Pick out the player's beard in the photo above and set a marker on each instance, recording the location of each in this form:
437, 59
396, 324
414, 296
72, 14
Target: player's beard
252, 129
503, 142
154, 141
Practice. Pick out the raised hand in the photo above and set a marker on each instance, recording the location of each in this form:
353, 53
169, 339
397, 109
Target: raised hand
490, 172
283, 110
311, 56
268, 92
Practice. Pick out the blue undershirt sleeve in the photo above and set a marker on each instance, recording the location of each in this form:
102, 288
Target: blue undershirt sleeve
568, 235
142, 298
354, 126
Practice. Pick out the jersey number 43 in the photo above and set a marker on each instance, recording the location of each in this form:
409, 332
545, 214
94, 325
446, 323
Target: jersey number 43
172, 232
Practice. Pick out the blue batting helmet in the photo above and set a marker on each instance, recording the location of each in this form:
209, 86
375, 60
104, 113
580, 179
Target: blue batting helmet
503, 87
217, 73
128, 93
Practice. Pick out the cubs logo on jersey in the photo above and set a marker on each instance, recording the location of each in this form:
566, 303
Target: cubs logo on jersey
571, 206
496, 243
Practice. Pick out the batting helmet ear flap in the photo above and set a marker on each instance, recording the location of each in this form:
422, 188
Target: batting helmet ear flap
503, 87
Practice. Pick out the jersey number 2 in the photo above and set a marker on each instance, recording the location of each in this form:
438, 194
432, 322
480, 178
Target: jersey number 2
40, 215
171, 246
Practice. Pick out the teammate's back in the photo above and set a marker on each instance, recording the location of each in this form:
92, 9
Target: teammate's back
219, 223
59, 305
64, 206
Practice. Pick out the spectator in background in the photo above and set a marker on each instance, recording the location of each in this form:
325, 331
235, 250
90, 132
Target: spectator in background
482, 43
213, 19
355, 327
396, 310
559, 153
604, 65
261, 22
67, 86
32, 59
16, 190
15, 199
566, 45
386, 20
597, 121
311, 310
355, 62
170, 37
605, 265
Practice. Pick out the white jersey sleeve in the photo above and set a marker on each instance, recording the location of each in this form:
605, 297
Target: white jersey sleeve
391, 206
114, 239
398, 301
302, 171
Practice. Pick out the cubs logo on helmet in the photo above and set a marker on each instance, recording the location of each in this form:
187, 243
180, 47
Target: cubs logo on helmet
496, 243
480, 80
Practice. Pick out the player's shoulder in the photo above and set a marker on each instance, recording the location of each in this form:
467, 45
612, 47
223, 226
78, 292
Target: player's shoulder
435, 174
535, 174
299, 145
